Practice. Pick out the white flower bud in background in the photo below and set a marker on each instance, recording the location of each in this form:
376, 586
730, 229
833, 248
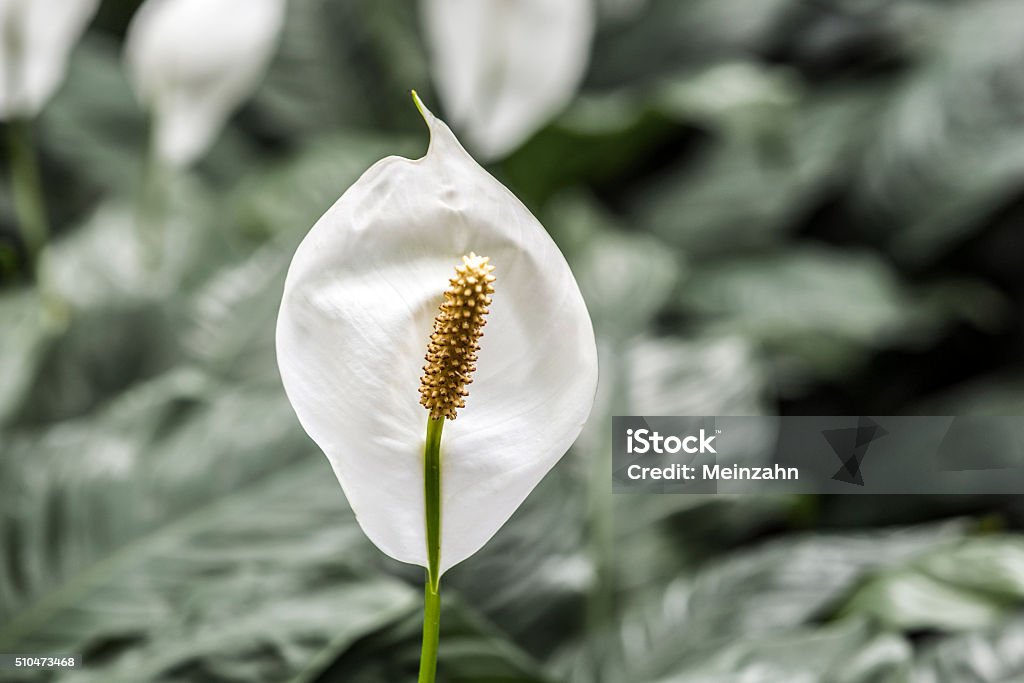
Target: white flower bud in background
503, 68
36, 39
193, 62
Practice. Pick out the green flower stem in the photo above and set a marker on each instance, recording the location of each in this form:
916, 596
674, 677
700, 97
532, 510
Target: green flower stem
431, 634
432, 596
151, 205
27, 189
601, 601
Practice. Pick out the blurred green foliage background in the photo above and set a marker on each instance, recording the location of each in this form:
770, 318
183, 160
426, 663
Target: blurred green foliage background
782, 207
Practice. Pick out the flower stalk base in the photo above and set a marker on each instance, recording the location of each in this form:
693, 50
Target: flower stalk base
27, 190
432, 596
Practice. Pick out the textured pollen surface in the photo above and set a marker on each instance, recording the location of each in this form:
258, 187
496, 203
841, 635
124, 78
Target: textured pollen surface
451, 354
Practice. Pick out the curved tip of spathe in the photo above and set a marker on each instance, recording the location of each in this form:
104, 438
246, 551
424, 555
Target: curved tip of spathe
424, 112
441, 136
434, 125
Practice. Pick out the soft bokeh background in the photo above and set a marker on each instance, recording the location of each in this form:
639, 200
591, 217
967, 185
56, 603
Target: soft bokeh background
781, 206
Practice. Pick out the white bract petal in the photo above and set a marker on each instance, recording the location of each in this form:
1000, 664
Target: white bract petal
193, 62
36, 39
505, 67
355, 320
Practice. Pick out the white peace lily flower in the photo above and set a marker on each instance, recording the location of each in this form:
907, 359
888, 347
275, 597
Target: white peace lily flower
193, 62
505, 67
359, 303
36, 39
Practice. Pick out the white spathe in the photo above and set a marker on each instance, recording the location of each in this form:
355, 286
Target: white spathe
357, 312
36, 39
504, 67
193, 62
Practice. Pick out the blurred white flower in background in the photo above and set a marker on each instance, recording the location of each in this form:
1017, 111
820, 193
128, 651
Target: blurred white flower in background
504, 67
36, 39
193, 62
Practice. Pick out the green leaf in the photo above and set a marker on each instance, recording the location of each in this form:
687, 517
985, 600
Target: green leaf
80, 366
732, 97
968, 585
946, 157
104, 278
625, 278
341, 65
710, 375
819, 311
310, 83
269, 583
993, 656
809, 290
229, 321
287, 198
598, 143
754, 181
94, 124
74, 492
733, 605
669, 35
1001, 394
27, 326
911, 600
533, 574
847, 653
114, 258
472, 651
